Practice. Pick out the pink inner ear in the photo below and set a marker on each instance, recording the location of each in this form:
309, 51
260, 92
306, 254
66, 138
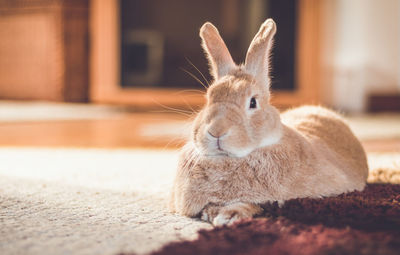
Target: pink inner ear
257, 58
220, 60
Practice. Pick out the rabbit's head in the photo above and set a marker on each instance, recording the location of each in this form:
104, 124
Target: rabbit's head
237, 118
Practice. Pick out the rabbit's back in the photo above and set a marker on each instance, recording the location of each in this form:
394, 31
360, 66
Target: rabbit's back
320, 125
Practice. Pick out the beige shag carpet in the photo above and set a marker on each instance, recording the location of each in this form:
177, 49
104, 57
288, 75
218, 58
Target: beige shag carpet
72, 201
75, 201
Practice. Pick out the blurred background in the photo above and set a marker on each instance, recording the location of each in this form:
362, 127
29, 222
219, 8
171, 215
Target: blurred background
96, 96
110, 73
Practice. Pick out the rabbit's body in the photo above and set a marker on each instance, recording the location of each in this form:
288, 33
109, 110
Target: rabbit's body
243, 152
332, 141
316, 156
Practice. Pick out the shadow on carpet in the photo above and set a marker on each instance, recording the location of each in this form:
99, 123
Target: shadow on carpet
366, 222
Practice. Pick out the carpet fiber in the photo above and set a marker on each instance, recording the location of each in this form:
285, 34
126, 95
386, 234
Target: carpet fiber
88, 201
365, 222
93, 201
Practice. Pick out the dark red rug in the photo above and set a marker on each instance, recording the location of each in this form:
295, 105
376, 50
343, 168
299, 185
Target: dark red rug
365, 222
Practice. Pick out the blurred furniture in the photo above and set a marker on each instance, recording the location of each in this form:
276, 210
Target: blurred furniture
105, 62
44, 50
389, 102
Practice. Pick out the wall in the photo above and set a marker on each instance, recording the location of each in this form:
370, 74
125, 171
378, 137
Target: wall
361, 53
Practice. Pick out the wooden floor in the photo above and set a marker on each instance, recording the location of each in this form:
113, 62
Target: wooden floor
134, 130
382, 145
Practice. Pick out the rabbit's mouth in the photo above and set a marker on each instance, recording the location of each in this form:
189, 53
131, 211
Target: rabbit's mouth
219, 145
215, 149
221, 151
216, 152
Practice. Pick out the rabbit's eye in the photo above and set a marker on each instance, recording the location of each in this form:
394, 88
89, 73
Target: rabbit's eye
253, 103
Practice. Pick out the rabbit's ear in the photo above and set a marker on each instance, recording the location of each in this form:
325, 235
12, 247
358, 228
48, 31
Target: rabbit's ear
219, 58
257, 58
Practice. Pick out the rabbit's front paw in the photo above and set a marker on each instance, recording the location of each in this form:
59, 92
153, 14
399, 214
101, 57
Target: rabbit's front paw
229, 214
209, 212
227, 218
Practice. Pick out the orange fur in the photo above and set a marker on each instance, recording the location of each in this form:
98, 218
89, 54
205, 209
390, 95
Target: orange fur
239, 157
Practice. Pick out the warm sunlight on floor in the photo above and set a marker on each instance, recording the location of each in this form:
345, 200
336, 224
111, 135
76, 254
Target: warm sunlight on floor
94, 126
80, 125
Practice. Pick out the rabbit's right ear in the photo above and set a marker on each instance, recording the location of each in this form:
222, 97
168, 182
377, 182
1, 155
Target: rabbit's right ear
257, 58
219, 58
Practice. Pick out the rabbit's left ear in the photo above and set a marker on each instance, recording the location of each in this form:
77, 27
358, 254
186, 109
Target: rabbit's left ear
257, 58
218, 55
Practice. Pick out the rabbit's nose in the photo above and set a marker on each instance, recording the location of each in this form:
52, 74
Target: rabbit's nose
218, 128
216, 134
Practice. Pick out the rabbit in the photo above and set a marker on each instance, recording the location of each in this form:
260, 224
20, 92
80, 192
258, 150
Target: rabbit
242, 152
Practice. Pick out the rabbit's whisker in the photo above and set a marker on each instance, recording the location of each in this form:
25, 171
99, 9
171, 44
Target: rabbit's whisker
194, 77
188, 105
190, 90
172, 141
202, 75
173, 109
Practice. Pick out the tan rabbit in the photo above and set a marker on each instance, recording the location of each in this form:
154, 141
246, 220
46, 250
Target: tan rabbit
242, 152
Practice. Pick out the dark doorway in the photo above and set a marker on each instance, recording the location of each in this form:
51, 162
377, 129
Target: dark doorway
159, 39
